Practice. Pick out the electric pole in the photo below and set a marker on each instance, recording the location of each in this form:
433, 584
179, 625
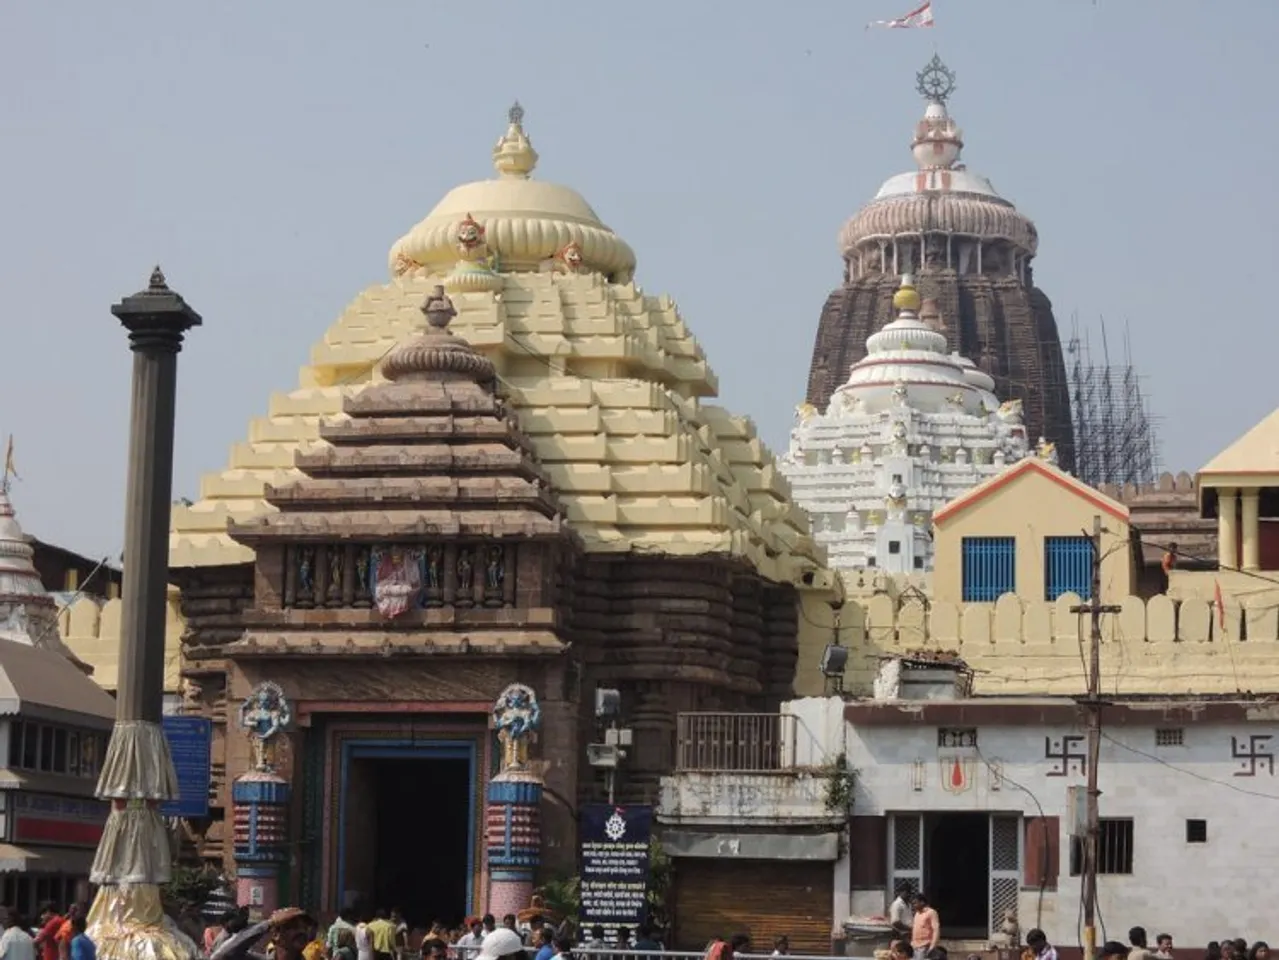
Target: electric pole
1092, 703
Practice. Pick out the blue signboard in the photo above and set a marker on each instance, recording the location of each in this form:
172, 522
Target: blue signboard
615, 863
189, 741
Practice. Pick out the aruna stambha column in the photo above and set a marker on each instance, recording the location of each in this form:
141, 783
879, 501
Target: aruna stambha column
133, 859
261, 800
513, 817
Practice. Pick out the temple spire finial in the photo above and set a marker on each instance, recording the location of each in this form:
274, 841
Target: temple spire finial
514, 156
157, 282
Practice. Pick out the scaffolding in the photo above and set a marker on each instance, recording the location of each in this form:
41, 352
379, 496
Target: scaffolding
1115, 433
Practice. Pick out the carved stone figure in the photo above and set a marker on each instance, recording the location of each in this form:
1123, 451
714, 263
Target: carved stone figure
1010, 411
434, 575
1046, 451
494, 575
899, 393
306, 576
470, 239
569, 259
405, 264
805, 412
517, 716
363, 567
337, 561
263, 715
465, 577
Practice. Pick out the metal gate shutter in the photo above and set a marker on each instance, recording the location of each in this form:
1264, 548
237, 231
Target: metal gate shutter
764, 898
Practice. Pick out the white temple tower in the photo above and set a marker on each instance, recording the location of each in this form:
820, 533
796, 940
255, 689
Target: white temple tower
913, 427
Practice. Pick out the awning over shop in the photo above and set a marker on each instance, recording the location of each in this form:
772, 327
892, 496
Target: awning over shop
70, 861
751, 846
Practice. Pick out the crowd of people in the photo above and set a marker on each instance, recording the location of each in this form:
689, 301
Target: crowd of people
356, 934
55, 936
917, 935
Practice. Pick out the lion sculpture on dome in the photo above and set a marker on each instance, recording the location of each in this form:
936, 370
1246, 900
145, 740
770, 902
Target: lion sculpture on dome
1010, 411
569, 258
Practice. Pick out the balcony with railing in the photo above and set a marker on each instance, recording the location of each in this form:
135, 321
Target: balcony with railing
735, 742
752, 768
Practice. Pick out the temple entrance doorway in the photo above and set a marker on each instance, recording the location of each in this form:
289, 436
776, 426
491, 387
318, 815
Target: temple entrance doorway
408, 828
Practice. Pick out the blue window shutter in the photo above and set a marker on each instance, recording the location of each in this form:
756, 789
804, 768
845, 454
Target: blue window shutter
989, 568
1067, 567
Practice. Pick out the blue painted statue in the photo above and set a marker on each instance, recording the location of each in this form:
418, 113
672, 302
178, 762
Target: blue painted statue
263, 715
516, 717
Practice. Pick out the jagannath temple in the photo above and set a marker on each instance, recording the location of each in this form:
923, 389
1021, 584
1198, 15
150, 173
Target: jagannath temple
972, 252
915, 426
495, 491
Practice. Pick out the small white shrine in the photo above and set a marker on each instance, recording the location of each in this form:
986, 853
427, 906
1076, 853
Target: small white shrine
913, 427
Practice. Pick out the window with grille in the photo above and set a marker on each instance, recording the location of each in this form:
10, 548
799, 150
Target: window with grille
1196, 831
956, 737
1114, 848
1170, 737
1067, 567
989, 568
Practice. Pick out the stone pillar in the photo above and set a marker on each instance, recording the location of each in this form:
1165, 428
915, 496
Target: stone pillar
513, 834
261, 801
1227, 528
127, 919
513, 822
1251, 529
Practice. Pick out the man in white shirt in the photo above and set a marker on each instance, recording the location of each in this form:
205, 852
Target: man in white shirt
900, 915
16, 943
468, 945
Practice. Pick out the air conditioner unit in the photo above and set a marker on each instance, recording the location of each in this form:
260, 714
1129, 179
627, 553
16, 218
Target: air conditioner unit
603, 755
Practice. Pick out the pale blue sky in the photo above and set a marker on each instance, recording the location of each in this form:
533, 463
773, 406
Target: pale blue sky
269, 153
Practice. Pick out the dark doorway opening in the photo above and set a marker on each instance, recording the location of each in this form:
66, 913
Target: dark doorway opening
421, 844
957, 872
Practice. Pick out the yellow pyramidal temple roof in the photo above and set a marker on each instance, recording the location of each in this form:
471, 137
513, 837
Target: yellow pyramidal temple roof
605, 380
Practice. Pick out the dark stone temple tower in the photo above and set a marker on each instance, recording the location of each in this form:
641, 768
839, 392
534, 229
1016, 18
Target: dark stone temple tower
971, 251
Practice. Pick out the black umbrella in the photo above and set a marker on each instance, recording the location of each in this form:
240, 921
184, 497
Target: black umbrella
236, 946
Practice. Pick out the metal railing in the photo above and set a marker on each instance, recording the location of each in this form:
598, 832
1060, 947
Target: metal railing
735, 742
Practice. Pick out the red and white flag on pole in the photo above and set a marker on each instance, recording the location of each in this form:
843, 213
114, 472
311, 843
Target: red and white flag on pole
919, 17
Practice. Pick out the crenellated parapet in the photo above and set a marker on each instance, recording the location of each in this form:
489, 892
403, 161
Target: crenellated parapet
90, 627
1018, 647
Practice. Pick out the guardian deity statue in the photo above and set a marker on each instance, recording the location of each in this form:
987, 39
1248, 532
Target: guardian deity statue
264, 714
517, 716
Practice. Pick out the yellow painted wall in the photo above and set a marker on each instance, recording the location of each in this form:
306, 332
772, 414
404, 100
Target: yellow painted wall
92, 630
1020, 647
1030, 507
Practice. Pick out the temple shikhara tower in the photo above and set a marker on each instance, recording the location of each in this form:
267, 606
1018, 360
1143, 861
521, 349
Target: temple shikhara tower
971, 251
914, 427
495, 490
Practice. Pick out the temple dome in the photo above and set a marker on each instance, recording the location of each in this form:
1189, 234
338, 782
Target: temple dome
941, 195
606, 381
908, 358
524, 222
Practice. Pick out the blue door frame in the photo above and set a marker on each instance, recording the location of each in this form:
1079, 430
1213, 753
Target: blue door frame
410, 750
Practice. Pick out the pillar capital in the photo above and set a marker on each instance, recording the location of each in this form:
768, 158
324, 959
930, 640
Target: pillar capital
156, 317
